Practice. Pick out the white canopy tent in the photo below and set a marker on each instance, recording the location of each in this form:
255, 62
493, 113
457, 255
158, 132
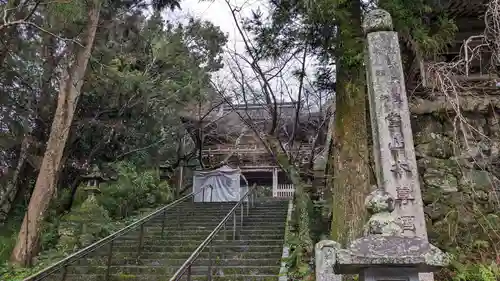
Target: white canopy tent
221, 185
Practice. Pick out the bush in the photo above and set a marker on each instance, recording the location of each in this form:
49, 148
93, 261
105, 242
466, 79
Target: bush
83, 225
134, 189
89, 220
9, 231
470, 272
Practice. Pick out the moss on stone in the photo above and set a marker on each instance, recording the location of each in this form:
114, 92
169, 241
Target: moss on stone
458, 191
83, 225
126, 276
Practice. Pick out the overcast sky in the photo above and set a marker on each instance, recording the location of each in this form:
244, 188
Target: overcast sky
219, 14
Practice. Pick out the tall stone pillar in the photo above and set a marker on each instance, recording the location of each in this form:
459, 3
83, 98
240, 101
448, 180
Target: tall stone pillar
394, 245
394, 155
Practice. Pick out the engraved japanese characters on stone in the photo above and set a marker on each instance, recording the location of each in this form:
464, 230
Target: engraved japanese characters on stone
393, 120
380, 72
400, 167
407, 223
394, 124
397, 141
396, 94
404, 194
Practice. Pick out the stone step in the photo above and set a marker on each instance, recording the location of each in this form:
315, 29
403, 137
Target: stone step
218, 248
256, 256
157, 233
206, 226
197, 230
233, 278
259, 209
171, 217
229, 242
148, 277
169, 270
211, 226
101, 261
207, 214
229, 205
200, 236
185, 254
213, 221
205, 231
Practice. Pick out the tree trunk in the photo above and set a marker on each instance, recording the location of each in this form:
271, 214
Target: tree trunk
7, 197
350, 151
69, 91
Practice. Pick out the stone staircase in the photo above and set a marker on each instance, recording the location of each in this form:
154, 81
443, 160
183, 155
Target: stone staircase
254, 255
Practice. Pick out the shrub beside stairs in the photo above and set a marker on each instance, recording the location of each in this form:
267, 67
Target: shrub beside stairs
254, 255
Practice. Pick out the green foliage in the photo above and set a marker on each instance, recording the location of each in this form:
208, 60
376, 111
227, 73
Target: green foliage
9, 273
89, 219
142, 74
133, 190
83, 225
471, 272
8, 231
153, 70
298, 267
50, 236
67, 12
418, 22
8, 234
299, 238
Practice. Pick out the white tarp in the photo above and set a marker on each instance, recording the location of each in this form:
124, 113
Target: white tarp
225, 183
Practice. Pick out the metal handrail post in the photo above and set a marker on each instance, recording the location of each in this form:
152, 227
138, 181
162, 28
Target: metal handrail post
211, 193
110, 256
225, 231
234, 226
178, 216
203, 195
209, 262
252, 199
141, 241
163, 223
65, 272
241, 216
189, 274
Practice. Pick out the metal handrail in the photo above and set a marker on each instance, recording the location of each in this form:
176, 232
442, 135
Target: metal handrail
186, 266
110, 238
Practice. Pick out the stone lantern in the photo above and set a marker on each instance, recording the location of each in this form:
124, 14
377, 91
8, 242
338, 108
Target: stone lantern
94, 178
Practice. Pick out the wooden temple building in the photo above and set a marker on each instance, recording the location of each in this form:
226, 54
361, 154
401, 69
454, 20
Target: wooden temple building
230, 134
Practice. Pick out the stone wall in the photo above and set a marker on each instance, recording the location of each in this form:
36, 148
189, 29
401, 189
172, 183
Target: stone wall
460, 180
